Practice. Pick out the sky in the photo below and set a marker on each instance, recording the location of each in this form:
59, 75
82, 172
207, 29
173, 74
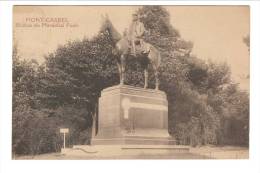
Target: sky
216, 31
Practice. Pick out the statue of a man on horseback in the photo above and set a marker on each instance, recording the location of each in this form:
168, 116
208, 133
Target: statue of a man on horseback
136, 33
132, 45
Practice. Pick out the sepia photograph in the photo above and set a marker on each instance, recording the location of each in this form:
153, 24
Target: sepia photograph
130, 82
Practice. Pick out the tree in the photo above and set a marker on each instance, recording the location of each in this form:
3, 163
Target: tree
36, 121
24, 100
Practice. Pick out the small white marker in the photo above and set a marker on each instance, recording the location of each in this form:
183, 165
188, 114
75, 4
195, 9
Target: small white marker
64, 131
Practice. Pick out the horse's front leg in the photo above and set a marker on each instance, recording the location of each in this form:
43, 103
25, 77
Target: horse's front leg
123, 64
119, 71
145, 78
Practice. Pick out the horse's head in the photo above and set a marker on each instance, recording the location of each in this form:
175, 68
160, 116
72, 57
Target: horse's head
108, 28
105, 24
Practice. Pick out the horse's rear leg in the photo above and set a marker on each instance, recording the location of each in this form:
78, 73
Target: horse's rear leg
145, 78
156, 75
156, 80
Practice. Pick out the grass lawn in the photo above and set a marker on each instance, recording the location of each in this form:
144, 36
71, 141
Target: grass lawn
224, 152
205, 152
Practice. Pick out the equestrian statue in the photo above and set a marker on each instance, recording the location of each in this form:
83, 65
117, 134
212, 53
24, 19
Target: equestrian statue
132, 45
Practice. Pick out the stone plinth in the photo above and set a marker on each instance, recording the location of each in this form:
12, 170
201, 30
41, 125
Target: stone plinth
132, 115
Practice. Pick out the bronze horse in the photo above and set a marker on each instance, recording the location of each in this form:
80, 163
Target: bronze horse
121, 50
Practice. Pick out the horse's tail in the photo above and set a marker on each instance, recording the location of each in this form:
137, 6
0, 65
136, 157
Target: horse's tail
159, 59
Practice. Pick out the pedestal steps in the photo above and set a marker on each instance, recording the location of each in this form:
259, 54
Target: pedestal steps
135, 140
114, 151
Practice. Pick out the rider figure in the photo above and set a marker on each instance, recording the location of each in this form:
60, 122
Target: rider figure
136, 32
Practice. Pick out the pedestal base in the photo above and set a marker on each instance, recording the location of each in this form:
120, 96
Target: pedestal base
132, 115
138, 137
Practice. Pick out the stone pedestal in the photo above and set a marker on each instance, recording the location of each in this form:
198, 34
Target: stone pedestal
131, 115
